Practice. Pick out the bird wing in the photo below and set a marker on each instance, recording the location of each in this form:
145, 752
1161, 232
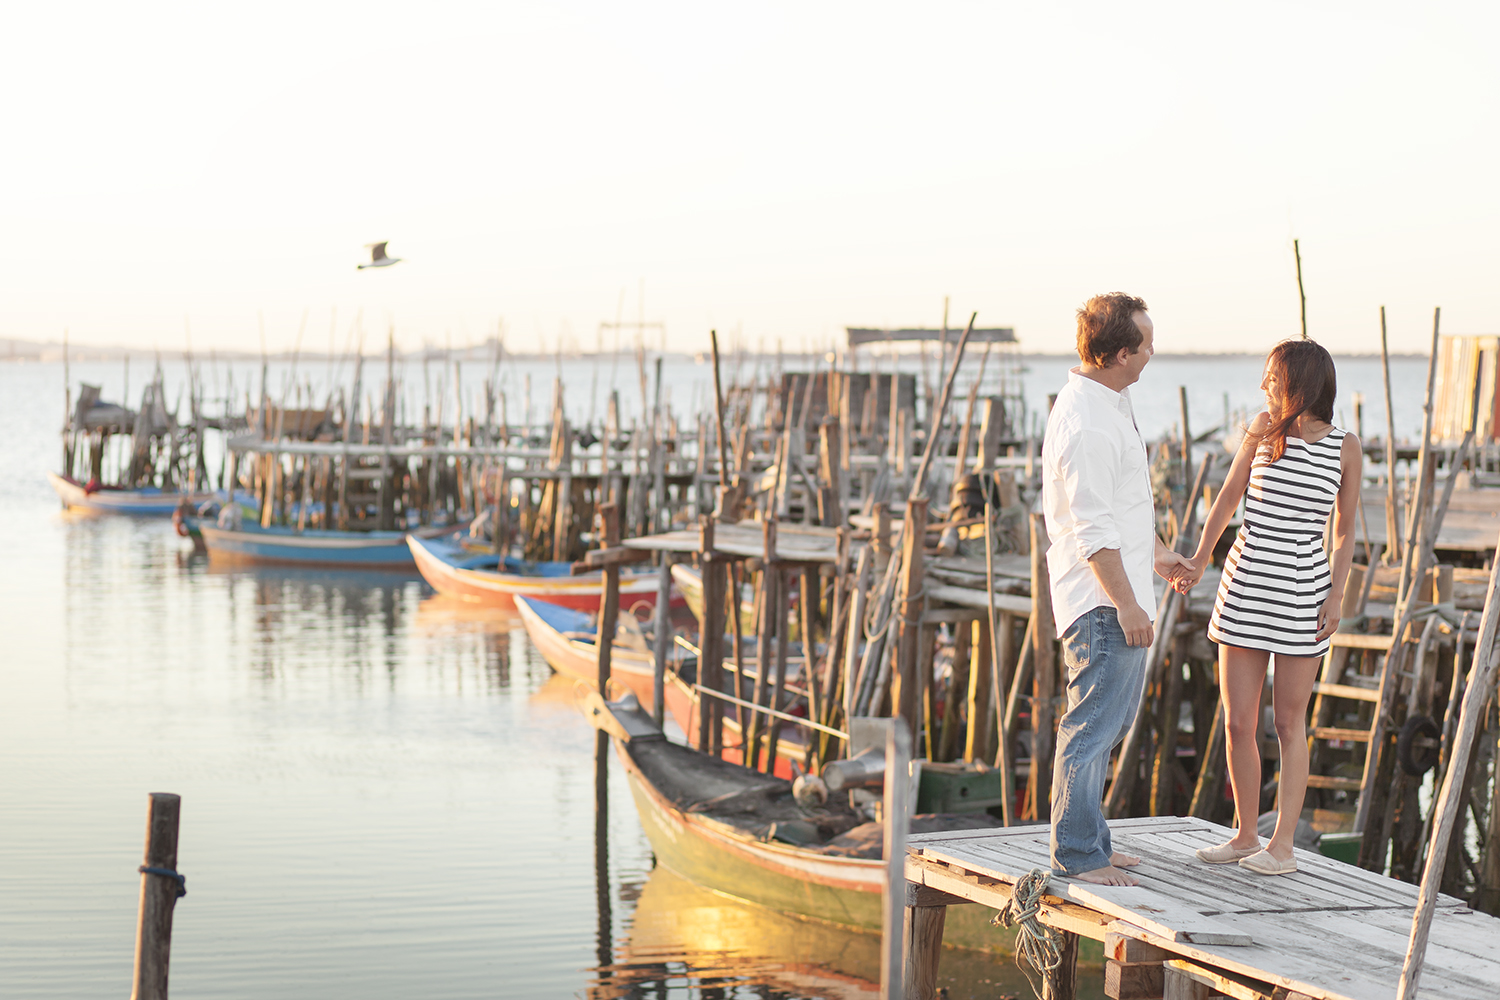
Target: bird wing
377, 251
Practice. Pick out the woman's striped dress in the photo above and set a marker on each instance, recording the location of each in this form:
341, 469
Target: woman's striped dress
1276, 577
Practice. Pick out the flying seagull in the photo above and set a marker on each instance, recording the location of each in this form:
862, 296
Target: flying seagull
378, 257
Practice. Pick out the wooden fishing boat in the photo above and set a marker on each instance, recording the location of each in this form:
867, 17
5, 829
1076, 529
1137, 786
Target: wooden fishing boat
287, 546
475, 576
731, 830
148, 501
566, 639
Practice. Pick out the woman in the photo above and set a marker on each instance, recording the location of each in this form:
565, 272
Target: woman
1280, 593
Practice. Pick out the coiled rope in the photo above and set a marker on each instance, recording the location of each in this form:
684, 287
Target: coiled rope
1039, 945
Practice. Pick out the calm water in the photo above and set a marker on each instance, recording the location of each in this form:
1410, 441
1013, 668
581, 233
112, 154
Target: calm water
384, 794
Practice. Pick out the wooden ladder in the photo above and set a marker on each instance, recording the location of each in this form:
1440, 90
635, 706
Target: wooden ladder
1333, 687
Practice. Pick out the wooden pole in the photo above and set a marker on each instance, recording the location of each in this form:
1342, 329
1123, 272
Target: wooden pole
893, 892
1416, 557
919, 480
1392, 520
1451, 795
1002, 752
711, 643
662, 638
906, 704
1187, 449
807, 601
161, 886
609, 600
778, 678
1301, 296
766, 636
1044, 677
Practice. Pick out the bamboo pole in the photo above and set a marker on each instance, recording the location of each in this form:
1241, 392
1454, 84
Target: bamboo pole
1451, 795
1392, 520
1301, 296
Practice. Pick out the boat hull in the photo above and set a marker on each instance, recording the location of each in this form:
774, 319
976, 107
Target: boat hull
496, 589
578, 658
839, 890
137, 503
286, 547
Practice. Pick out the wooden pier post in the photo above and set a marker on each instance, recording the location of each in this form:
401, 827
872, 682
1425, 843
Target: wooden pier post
662, 637
160, 888
711, 642
907, 701
893, 892
1044, 678
609, 600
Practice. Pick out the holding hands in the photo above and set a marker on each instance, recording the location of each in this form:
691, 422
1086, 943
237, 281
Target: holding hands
1178, 570
1186, 576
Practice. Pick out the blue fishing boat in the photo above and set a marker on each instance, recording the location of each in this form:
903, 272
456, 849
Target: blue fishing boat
286, 546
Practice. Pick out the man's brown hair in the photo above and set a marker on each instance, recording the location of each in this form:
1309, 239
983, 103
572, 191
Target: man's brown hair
1106, 324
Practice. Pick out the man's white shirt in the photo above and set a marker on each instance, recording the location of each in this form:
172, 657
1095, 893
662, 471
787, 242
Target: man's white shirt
1096, 494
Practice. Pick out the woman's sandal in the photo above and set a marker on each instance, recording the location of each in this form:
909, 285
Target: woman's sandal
1266, 863
1225, 854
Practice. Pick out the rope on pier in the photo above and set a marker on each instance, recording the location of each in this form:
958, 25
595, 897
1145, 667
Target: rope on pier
1038, 944
167, 873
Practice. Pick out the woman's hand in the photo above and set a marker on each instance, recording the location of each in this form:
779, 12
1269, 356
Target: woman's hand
1187, 575
1328, 616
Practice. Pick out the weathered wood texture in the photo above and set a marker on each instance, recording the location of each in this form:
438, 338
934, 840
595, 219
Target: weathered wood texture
1330, 930
153, 933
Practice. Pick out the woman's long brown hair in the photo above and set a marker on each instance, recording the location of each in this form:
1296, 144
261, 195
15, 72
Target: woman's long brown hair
1306, 382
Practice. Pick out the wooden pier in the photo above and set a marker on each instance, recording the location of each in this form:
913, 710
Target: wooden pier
1331, 931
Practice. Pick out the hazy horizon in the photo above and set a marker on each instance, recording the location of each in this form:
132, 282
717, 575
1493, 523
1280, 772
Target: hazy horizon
777, 173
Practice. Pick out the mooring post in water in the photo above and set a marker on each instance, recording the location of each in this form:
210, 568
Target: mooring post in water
161, 886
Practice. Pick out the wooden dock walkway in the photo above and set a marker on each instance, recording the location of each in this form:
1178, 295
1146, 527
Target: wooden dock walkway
1331, 931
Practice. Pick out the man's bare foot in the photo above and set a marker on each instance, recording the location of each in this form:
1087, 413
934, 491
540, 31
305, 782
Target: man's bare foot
1109, 875
1123, 860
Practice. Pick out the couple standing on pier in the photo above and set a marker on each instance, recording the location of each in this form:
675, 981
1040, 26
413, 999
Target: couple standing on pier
1280, 592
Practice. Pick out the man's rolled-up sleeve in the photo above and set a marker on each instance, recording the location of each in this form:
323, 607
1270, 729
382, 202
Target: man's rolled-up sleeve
1087, 475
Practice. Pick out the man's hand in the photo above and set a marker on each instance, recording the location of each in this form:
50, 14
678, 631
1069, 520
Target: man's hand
1136, 625
1169, 564
1187, 576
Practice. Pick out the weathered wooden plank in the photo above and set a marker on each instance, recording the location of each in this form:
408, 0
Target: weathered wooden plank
1221, 983
1160, 913
1346, 691
1314, 873
1054, 912
1359, 640
1231, 889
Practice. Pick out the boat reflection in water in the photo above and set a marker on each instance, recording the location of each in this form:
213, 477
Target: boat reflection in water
684, 941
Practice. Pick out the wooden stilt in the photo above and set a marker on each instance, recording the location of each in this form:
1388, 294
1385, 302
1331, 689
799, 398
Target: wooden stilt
1044, 678
924, 949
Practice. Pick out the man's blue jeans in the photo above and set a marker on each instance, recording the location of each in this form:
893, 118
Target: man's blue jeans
1106, 679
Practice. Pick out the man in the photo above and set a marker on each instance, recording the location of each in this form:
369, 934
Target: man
1096, 495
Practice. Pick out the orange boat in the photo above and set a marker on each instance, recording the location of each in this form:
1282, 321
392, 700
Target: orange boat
566, 639
469, 575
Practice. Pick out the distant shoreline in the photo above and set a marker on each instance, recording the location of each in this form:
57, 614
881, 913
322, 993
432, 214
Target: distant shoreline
31, 351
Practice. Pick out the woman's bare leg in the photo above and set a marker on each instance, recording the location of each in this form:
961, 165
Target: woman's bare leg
1242, 674
1290, 690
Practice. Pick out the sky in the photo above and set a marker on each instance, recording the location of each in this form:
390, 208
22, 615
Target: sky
198, 173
